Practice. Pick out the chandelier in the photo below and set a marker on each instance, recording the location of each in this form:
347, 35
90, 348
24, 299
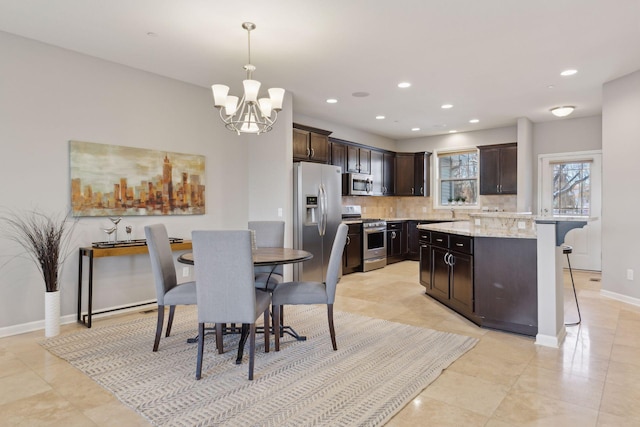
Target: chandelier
250, 114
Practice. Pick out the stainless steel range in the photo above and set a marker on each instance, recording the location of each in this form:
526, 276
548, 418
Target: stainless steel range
374, 238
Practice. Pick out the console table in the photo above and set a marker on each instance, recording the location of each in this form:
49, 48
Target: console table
107, 250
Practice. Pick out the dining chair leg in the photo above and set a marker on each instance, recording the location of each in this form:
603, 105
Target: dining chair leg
282, 320
252, 348
200, 350
159, 323
276, 330
332, 330
172, 311
219, 340
266, 330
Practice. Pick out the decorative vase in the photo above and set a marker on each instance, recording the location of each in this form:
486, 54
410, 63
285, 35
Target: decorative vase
51, 313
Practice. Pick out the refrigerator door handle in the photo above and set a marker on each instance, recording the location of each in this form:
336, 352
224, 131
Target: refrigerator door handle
322, 224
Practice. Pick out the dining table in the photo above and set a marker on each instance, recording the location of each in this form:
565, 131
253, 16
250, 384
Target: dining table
263, 257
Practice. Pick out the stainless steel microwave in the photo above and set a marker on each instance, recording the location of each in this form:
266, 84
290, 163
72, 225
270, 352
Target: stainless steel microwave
357, 184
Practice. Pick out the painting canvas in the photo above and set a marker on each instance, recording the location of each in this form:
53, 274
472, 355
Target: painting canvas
112, 180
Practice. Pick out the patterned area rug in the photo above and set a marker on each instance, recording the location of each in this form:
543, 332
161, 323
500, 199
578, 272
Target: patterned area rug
378, 368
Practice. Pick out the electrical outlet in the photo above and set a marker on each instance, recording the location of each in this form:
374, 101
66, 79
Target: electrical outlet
185, 271
476, 222
279, 212
424, 209
629, 274
521, 225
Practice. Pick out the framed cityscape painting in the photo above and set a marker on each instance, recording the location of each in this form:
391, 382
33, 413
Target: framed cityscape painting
112, 180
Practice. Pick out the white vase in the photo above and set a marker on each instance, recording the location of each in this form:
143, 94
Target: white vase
51, 314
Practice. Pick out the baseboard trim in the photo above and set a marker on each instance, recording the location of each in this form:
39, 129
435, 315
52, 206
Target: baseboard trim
621, 297
23, 328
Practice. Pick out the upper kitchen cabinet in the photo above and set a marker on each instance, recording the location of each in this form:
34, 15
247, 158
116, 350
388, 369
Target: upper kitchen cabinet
338, 155
383, 172
310, 144
498, 169
412, 174
358, 159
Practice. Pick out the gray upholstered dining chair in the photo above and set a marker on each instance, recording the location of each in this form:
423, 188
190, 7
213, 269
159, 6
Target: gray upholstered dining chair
168, 291
226, 291
268, 234
294, 293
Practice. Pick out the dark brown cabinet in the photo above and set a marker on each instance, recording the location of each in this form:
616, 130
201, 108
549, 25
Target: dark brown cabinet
358, 159
450, 263
412, 174
383, 171
339, 155
396, 241
352, 255
310, 144
424, 239
498, 169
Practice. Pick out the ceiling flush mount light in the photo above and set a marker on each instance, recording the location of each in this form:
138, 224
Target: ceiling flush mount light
404, 85
250, 115
446, 106
562, 111
569, 72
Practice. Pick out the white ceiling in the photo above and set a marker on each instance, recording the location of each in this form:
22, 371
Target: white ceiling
494, 60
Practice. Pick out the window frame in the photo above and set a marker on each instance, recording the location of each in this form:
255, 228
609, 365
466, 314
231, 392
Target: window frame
437, 182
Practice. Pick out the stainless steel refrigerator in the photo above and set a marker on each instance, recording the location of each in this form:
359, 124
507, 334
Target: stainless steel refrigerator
317, 203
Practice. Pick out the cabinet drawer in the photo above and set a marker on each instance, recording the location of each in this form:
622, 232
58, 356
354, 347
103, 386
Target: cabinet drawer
394, 225
424, 236
462, 244
440, 239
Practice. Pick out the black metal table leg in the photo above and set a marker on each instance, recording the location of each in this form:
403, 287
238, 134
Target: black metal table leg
243, 340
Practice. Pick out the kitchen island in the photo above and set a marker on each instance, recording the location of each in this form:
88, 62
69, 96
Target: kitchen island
500, 270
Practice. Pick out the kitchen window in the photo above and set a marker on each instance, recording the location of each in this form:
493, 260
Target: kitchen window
457, 180
572, 188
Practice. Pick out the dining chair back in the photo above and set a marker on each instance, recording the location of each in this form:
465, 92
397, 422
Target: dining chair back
268, 234
294, 293
168, 291
226, 292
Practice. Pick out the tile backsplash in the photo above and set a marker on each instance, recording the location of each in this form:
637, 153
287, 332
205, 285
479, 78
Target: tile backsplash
418, 207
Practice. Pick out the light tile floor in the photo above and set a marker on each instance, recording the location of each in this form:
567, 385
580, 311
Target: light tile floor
505, 380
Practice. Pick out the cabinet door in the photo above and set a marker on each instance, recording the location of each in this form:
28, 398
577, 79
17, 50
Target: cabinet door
300, 144
364, 159
389, 174
352, 257
377, 171
419, 178
461, 287
425, 266
509, 170
413, 240
339, 155
404, 174
489, 171
439, 274
319, 148
352, 159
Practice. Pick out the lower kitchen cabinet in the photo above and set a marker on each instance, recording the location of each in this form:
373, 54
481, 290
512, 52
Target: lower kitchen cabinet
451, 272
396, 241
424, 242
352, 255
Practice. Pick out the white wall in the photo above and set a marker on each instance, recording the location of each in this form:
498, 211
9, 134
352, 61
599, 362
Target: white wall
49, 96
620, 203
459, 140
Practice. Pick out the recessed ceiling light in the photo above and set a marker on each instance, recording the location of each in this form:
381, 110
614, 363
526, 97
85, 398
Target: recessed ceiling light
332, 101
446, 106
404, 85
152, 34
474, 121
380, 117
415, 129
569, 72
453, 131
562, 111
360, 94
550, 87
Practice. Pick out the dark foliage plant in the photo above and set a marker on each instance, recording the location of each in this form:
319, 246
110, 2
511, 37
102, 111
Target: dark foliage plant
45, 239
